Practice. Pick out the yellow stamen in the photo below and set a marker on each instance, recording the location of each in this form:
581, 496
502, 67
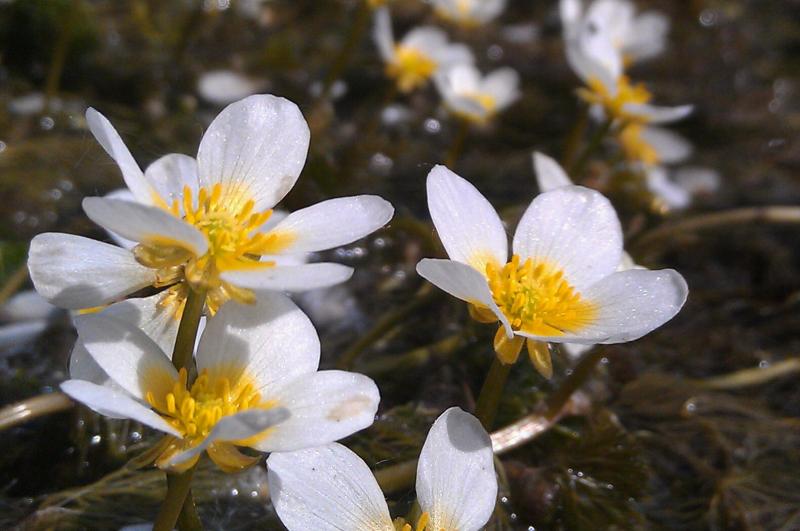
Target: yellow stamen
537, 299
486, 101
635, 147
196, 410
227, 218
410, 68
626, 93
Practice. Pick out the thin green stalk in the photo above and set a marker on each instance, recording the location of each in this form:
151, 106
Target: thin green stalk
178, 490
14, 281
576, 170
556, 401
354, 36
187, 330
388, 321
491, 392
178, 506
458, 143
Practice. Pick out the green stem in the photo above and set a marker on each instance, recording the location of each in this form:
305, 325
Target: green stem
182, 353
388, 321
353, 39
581, 372
178, 506
576, 170
491, 392
458, 143
178, 492
574, 138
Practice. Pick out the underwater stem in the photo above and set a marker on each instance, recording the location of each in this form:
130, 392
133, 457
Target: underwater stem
32, 408
737, 216
384, 324
556, 401
14, 281
491, 392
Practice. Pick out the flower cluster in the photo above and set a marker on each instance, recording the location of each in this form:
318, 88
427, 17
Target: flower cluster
425, 53
602, 41
185, 324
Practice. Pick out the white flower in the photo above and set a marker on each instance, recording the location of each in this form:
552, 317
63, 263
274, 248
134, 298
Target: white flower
650, 146
221, 87
205, 223
257, 385
423, 52
550, 176
330, 488
476, 98
26, 315
561, 284
469, 13
599, 63
636, 37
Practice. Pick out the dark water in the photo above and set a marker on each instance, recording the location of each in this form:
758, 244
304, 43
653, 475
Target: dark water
657, 448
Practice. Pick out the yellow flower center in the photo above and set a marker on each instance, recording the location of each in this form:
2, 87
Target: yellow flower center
195, 411
626, 93
537, 299
230, 225
422, 524
410, 68
635, 147
485, 101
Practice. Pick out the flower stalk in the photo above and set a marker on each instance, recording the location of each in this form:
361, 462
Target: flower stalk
178, 506
491, 392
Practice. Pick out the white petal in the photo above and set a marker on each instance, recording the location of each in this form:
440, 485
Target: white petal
334, 222
576, 350
661, 185
324, 406
270, 342
549, 173
221, 87
503, 85
426, 39
461, 281
574, 229
27, 305
468, 225
123, 194
242, 425
648, 36
327, 488
114, 404
150, 316
671, 147
108, 137
133, 360
654, 114
144, 313
83, 367
456, 482
382, 33
17, 334
256, 147
570, 12
629, 305
170, 174
291, 278
75, 272
696, 180
143, 223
